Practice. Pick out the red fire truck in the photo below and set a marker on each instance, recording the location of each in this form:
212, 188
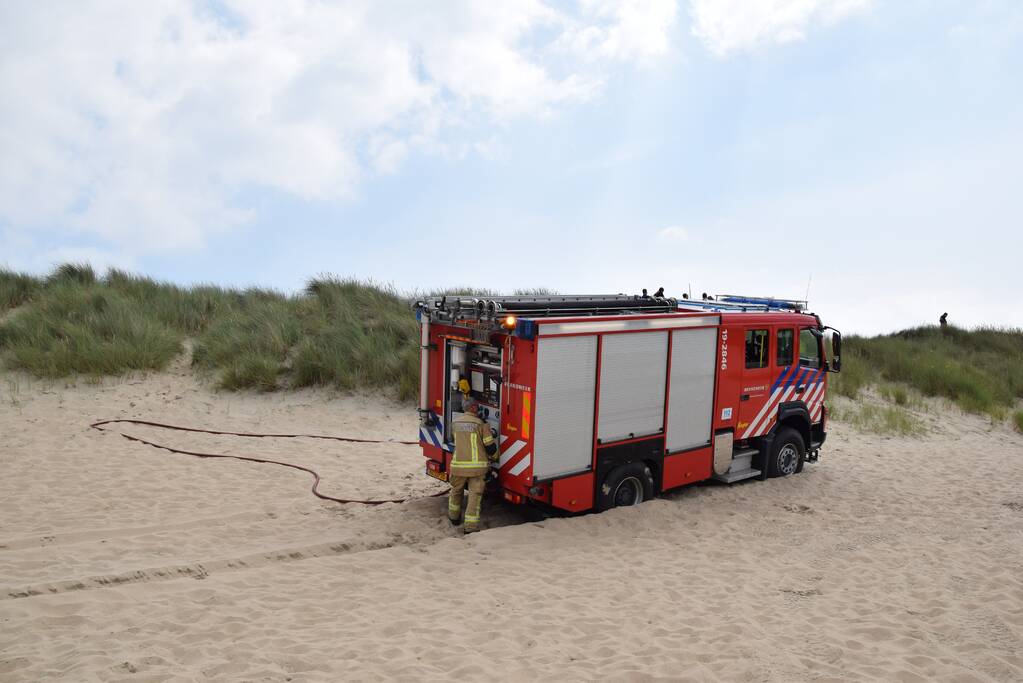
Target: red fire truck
604, 401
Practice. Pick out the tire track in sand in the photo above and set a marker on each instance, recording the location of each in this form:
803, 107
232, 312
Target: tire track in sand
126, 532
197, 570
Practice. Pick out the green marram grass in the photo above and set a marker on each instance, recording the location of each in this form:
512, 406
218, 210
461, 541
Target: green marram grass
353, 334
17, 288
979, 370
338, 332
358, 335
71, 327
884, 419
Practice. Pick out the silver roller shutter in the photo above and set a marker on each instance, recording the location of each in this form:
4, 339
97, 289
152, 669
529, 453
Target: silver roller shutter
691, 396
632, 375
566, 377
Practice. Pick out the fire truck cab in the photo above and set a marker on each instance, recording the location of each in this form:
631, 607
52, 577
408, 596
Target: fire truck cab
600, 401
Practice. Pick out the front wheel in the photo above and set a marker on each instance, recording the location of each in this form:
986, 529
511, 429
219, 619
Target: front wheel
787, 453
625, 486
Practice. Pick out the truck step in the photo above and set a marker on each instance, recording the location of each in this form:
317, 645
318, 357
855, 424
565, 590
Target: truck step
742, 459
732, 476
741, 462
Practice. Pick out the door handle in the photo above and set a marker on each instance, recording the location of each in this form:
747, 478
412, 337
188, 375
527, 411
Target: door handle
801, 388
744, 397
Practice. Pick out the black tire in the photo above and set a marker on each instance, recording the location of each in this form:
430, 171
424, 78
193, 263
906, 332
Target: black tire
532, 512
626, 485
787, 453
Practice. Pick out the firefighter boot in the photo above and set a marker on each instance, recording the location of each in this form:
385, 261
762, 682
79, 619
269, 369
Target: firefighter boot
472, 509
455, 499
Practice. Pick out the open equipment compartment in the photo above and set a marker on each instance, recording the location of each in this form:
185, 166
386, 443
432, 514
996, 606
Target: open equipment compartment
481, 366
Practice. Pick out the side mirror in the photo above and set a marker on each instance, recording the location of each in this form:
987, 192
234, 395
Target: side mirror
836, 351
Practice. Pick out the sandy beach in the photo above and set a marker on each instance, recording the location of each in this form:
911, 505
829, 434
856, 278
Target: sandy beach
252, 252
890, 559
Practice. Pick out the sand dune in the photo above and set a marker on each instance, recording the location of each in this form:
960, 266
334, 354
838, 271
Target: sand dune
891, 559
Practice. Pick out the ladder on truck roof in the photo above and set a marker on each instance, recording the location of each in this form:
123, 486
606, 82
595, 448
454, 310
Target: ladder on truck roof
466, 307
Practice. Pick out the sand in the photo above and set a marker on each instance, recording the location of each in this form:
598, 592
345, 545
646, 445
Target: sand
891, 559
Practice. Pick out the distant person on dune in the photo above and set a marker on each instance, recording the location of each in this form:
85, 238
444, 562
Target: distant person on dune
943, 320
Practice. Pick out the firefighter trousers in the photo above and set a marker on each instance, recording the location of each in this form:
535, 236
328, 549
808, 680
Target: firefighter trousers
476, 484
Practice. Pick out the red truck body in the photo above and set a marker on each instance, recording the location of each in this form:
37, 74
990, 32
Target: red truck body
656, 396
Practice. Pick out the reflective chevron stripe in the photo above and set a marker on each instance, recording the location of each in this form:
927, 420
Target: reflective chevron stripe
521, 466
784, 390
510, 453
434, 434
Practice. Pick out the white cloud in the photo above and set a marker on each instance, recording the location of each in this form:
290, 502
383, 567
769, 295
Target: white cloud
622, 29
387, 153
728, 26
142, 124
673, 233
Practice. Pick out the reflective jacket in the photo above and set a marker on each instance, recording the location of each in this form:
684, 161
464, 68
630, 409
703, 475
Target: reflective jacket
474, 446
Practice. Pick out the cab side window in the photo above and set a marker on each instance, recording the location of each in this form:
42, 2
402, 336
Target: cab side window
756, 349
809, 352
785, 348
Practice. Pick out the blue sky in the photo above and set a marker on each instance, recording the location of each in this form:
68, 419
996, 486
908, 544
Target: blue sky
870, 150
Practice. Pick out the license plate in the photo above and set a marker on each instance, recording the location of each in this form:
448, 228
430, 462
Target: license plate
443, 476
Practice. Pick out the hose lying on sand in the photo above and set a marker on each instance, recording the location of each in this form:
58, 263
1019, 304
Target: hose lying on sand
99, 426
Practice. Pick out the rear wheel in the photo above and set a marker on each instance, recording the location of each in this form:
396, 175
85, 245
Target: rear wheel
787, 453
625, 486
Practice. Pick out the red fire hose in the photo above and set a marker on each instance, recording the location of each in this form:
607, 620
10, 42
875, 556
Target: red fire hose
99, 426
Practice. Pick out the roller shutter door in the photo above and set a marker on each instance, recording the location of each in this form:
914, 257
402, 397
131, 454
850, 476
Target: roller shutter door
691, 396
566, 375
632, 375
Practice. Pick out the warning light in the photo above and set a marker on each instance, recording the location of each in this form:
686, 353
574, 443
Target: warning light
509, 322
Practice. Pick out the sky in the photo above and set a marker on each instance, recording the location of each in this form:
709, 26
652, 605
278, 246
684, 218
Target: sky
863, 154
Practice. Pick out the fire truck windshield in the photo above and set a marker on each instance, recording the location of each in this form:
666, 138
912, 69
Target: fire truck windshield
809, 349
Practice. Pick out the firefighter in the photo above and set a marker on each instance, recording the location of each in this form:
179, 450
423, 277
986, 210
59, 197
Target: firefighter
474, 450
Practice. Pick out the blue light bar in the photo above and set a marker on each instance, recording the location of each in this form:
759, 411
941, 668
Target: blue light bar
525, 329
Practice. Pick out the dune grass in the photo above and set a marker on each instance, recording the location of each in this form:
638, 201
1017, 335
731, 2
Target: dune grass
77, 328
17, 288
854, 375
1017, 420
895, 393
337, 332
351, 334
885, 419
247, 338
359, 335
979, 370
